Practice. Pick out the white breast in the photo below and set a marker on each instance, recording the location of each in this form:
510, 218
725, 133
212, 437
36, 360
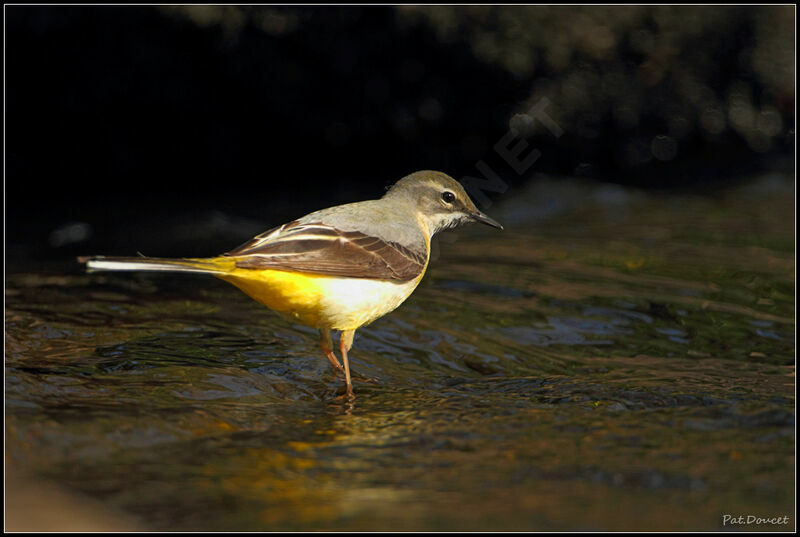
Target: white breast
349, 303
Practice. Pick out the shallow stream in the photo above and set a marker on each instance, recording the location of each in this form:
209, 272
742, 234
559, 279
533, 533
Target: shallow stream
613, 360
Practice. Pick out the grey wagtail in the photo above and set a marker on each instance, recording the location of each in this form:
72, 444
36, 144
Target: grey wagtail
338, 268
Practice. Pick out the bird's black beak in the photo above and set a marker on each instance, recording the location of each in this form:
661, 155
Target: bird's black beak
483, 219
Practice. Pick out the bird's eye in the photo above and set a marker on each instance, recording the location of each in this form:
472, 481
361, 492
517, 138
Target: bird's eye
448, 196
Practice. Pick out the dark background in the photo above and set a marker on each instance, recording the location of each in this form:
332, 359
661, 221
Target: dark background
182, 131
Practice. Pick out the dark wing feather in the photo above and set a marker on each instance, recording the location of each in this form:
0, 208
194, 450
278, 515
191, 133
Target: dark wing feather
321, 249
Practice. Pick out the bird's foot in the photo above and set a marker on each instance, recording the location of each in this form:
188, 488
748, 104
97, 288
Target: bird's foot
345, 395
362, 378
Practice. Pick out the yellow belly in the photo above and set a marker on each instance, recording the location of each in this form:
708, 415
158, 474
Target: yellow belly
320, 301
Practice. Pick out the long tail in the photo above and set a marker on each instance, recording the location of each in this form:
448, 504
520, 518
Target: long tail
214, 265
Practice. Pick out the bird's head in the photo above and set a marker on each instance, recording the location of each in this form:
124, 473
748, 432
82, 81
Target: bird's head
440, 201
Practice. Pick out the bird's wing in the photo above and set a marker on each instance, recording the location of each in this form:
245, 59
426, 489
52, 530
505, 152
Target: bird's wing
320, 248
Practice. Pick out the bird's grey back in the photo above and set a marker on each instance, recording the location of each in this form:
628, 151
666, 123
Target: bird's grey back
391, 222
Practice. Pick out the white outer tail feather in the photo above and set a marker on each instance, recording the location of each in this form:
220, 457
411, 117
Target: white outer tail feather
98, 264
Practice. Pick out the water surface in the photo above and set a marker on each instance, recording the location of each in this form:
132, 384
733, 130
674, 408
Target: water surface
614, 360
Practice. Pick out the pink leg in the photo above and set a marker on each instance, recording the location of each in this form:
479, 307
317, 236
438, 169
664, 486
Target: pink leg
345, 344
327, 348
334, 360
